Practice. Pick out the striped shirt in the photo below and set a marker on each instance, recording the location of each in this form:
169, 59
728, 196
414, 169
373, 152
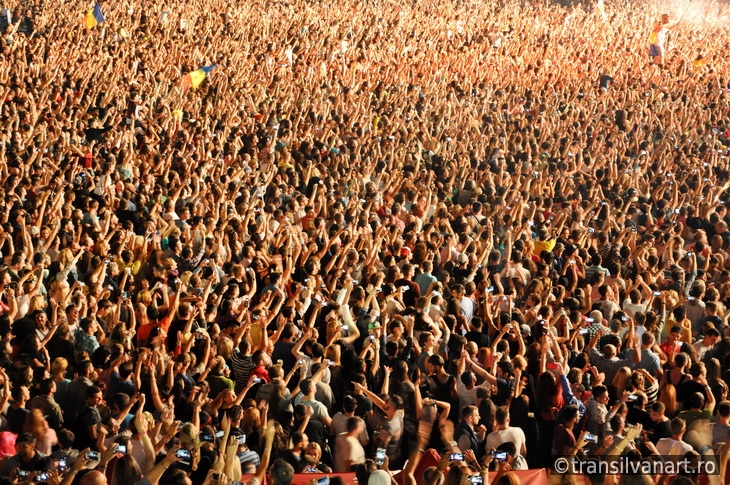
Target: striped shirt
50, 408
242, 366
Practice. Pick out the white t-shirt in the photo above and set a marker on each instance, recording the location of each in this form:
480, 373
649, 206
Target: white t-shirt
515, 435
466, 397
632, 308
347, 448
701, 349
339, 426
669, 446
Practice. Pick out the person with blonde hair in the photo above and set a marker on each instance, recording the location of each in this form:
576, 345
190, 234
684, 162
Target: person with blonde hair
46, 437
313, 458
224, 348
621, 382
668, 397
58, 374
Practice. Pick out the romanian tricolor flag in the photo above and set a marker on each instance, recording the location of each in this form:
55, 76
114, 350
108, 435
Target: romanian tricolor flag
93, 17
195, 78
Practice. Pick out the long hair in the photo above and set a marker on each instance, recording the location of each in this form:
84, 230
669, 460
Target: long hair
457, 475
508, 478
548, 395
35, 423
251, 417
278, 390
668, 397
622, 380
126, 471
714, 371
399, 375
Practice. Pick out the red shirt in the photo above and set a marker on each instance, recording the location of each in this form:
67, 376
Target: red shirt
143, 332
260, 372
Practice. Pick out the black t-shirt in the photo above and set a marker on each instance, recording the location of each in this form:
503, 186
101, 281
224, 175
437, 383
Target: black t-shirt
315, 431
685, 391
661, 430
460, 272
636, 415
294, 460
16, 419
479, 338
207, 458
60, 347
282, 351
86, 417
505, 388
364, 405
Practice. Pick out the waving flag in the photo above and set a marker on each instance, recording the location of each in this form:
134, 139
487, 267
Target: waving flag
196, 78
93, 17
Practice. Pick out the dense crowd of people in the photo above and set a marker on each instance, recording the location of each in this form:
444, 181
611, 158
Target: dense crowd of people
431, 237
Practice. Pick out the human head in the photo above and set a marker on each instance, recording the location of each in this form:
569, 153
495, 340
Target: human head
678, 426
470, 415
94, 396
502, 416
281, 473
25, 445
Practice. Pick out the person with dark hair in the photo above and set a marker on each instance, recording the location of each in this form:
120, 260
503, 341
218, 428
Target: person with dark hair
78, 387
506, 433
47, 404
392, 430
707, 343
564, 440
637, 414
348, 450
308, 389
294, 455
364, 407
515, 460
261, 361
27, 457
341, 418
122, 379
152, 318
469, 434
696, 385
441, 384
242, 364
65, 450
721, 429
701, 407
281, 473
125, 471
674, 445
85, 337
17, 412
87, 420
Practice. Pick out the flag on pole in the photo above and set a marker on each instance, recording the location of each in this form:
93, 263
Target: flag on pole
195, 78
93, 17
